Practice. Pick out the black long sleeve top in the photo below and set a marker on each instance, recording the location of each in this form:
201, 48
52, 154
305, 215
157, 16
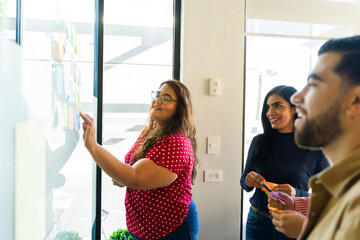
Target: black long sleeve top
285, 163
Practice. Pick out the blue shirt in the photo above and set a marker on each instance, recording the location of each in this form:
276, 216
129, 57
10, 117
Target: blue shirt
285, 163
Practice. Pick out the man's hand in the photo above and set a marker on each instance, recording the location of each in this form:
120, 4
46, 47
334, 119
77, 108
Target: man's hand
289, 222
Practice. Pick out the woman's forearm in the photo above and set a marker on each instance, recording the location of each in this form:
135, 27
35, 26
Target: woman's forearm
119, 171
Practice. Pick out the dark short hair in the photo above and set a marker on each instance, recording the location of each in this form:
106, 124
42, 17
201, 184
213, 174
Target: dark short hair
348, 66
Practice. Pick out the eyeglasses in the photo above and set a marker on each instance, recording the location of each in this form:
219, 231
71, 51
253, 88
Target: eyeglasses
165, 99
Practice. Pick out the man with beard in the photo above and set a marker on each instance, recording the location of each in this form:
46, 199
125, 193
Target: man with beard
329, 119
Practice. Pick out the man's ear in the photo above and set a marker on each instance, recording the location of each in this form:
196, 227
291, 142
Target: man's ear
353, 108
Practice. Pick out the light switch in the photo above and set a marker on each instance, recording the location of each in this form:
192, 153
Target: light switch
213, 145
215, 86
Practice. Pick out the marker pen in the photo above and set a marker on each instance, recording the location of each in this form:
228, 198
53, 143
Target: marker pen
275, 194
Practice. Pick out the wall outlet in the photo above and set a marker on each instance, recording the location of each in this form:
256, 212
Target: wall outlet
213, 175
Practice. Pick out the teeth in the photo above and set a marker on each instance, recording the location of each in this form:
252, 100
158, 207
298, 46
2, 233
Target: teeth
156, 107
274, 119
301, 115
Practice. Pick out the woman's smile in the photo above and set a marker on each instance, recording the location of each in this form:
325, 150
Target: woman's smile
280, 114
163, 111
274, 120
156, 107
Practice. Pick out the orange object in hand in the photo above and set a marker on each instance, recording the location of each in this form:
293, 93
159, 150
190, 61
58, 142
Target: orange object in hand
270, 185
275, 210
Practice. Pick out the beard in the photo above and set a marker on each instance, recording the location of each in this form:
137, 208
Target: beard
319, 132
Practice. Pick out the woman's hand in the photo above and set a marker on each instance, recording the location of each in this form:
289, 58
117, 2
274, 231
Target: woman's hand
275, 203
253, 179
286, 188
89, 131
289, 222
116, 183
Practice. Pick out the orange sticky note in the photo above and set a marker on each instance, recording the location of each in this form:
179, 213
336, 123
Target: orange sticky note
275, 210
271, 186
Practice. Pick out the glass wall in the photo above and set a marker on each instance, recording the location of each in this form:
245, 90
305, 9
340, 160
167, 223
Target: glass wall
138, 47
8, 19
47, 176
281, 49
57, 83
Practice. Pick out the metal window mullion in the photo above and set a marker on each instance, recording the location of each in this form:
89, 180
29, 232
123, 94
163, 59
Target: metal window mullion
18, 23
98, 94
177, 39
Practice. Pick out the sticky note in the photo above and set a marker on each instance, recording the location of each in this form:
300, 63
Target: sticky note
275, 210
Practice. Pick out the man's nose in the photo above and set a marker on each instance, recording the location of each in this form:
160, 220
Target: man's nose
297, 98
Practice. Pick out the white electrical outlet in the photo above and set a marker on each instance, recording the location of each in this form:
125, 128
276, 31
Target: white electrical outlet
213, 175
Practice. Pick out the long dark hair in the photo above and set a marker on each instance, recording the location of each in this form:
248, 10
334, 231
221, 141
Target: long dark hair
263, 141
182, 120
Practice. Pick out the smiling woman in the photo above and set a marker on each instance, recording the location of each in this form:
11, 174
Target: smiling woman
158, 169
274, 157
163, 104
280, 113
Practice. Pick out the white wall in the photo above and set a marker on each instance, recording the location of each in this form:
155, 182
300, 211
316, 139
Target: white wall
213, 46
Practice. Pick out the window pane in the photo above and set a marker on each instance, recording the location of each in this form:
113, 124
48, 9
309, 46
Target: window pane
8, 19
138, 46
57, 84
312, 18
281, 48
270, 62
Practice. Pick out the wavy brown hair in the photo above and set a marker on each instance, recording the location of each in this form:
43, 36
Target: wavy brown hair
182, 120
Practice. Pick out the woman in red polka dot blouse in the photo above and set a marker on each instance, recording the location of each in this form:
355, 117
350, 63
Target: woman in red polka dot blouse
158, 169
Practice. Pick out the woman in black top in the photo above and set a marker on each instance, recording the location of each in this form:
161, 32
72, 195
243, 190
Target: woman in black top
273, 156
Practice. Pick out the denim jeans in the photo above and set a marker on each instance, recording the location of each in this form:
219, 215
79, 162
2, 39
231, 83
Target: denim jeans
261, 228
188, 230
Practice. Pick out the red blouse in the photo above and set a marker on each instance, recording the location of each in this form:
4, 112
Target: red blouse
151, 214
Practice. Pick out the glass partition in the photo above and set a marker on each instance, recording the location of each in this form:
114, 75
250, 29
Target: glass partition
8, 19
57, 83
138, 47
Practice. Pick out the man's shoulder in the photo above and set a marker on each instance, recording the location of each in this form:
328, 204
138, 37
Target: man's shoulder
352, 190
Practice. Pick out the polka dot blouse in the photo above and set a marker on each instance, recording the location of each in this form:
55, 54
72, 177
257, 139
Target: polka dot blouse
151, 214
